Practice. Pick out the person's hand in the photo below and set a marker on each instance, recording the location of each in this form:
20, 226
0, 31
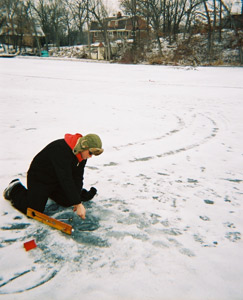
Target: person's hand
80, 210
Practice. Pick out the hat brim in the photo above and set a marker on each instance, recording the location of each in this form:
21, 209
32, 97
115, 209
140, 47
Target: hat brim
96, 151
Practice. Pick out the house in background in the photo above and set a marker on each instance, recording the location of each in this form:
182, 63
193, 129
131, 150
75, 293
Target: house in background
119, 27
234, 21
18, 35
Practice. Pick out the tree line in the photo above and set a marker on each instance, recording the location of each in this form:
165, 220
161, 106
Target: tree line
63, 22
67, 22
167, 18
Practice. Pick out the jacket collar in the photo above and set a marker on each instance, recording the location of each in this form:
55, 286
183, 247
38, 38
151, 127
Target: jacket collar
71, 140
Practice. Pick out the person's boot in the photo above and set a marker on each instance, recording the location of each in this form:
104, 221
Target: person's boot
9, 188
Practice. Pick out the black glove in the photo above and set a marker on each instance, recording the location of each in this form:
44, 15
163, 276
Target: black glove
88, 195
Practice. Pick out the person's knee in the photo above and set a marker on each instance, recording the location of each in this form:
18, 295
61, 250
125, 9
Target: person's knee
37, 197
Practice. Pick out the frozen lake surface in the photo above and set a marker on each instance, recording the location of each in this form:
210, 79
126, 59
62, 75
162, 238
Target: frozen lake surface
167, 221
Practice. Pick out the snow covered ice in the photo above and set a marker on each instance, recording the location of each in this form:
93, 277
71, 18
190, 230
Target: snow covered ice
167, 221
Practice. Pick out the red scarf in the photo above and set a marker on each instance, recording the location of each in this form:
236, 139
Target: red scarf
71, 140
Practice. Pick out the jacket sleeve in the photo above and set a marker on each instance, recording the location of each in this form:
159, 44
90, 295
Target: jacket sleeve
62, 163
78, 175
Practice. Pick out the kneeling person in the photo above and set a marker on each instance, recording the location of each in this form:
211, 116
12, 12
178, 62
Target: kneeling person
56, 172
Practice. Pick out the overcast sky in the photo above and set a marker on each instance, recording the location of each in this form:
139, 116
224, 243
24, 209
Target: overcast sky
114, 5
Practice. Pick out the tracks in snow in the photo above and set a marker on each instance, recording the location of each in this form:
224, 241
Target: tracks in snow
185, 133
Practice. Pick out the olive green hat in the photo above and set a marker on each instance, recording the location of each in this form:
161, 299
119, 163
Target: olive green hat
91, 142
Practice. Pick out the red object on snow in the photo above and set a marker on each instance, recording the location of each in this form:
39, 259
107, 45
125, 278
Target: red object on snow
30, 245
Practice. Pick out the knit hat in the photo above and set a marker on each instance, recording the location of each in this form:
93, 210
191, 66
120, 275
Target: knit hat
91, 142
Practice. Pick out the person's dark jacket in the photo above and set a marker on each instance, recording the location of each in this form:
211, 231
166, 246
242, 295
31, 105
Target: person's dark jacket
56, 166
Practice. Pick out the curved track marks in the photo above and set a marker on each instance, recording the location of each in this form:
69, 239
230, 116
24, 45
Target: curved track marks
188, 133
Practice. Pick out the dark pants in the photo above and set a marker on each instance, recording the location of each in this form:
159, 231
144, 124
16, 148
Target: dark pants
36, 195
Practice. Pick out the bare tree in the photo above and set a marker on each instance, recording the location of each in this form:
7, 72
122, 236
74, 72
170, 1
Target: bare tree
238, 38
10, 10
99, 13
209, 27
175, 12
164, 16
42, 11
57, 12
191, 14
178, 15
136, 8
51, 15
154, 13
33, 24
77, 16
